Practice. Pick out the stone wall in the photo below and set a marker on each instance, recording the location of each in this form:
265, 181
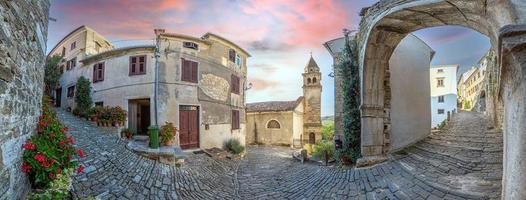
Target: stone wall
23, 35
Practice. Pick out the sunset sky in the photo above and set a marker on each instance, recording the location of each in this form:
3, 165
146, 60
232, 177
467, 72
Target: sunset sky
280, 34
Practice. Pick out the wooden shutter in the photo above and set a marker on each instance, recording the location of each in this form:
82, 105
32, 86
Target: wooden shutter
95, 73
232, 55
142, 64
194, 72
235, 119
101, 71
234, 83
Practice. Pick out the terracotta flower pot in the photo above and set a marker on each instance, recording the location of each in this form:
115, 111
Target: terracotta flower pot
346, 161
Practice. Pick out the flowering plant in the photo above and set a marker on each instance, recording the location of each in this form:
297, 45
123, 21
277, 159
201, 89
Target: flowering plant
50, 151
167, 133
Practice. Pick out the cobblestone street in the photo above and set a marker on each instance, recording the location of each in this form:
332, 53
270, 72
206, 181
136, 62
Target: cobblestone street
462, 162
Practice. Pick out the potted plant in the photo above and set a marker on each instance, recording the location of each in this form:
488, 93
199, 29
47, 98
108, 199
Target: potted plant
167, 133
118, 116
126, 132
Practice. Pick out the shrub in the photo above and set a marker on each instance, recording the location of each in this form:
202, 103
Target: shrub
117, 114
126, 132
323, 148
83, 96
167, 133
51, 73
58, 189
234, 146
50, 151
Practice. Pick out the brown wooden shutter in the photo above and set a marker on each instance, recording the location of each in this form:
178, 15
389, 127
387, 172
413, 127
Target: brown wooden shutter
132, 65
235, 119
95, 73
102, 66
232, 55
194, 72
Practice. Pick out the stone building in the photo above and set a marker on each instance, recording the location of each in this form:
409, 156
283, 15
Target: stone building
409, 64
291, 123
443, 92
472, 85
23, 37
201, 83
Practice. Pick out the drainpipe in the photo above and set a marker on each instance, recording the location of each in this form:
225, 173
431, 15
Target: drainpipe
153, 131
156, 79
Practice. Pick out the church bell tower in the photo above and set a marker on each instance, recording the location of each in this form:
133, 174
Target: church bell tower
312, 103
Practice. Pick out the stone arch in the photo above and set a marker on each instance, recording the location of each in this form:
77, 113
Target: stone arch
312, 138
387, 22
314, 80
308, 80
273, 124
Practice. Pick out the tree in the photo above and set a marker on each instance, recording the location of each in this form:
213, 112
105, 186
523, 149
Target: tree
83, 96
349, 70
327, 130
51, 73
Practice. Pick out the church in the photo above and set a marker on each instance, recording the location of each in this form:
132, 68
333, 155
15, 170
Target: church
291, 123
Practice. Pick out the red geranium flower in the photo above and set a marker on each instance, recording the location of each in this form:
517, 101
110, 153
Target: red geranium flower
40, 157
28, 145
80, 169
80, 152
71, 140
62, 142
59, 171
26, 168
52, 175
51, 135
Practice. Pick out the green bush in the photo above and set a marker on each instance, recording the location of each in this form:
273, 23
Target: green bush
327, 130
83, 96
234, 146
323, 148
51, 73
441, 125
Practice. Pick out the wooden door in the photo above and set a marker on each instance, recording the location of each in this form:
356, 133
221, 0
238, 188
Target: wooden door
58, 97
189, 129
145, 119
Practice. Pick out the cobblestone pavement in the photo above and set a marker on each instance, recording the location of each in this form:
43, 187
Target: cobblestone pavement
462, 162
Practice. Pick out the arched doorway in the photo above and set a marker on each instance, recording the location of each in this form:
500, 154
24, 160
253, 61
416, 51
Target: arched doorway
386, 23
312, 138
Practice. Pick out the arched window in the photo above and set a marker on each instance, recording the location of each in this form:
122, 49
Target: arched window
308, 80
314, 80
273, 124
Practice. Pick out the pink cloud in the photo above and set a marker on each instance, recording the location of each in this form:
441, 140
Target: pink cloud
260, 84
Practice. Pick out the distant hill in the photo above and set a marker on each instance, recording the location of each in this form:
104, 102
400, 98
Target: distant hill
326, 119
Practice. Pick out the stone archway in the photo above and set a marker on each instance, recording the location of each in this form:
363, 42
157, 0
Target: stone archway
387, 22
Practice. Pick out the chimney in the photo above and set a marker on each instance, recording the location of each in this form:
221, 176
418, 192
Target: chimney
158, 31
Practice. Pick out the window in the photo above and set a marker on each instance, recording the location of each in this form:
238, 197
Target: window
309, 81
314, 80
440, 99
99, 104
235, 119
63, 51
238, 60
234, 84
73, 45
61, 69
190, 45
232, 55
440, 71
71, 91
98, 72
189, 71
137, 65
273, 124
440, 111
440, 82
71, 64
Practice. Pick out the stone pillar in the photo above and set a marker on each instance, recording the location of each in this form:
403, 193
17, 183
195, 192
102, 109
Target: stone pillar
512, 60
372, 137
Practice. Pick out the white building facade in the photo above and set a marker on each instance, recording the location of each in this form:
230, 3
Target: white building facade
443, 81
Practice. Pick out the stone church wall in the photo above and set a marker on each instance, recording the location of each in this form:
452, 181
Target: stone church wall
23, 35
